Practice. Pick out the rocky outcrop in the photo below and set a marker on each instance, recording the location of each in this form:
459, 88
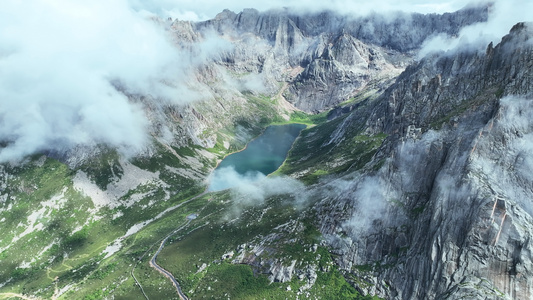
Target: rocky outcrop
443, 85
338, 69
448, 215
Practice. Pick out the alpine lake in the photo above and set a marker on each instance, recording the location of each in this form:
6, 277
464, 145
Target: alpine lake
261, 157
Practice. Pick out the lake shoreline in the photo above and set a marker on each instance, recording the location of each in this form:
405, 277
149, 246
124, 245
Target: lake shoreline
264, 154
256, 137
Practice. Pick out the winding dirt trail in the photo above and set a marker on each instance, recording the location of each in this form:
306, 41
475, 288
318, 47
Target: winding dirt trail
166, 273
153, 263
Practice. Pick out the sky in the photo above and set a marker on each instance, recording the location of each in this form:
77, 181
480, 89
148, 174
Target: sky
60, 60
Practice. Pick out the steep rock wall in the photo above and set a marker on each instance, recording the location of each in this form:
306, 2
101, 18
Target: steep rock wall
449, 214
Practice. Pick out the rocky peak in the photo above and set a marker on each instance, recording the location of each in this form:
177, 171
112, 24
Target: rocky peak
522, 28
431, 91
226, 14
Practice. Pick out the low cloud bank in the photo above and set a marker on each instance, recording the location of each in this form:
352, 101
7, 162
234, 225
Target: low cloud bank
502, 16
57, 64
226, 178
254, 188
62, 64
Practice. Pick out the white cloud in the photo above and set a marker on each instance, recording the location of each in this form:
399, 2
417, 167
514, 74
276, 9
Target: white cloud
253, 188
57, 59
503, 15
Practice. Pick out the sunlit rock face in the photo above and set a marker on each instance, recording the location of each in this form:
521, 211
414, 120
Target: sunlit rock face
449, 214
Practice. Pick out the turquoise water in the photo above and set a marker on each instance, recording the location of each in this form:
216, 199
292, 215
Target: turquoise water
261, 157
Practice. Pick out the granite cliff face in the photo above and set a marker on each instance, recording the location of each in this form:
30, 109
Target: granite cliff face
449, 213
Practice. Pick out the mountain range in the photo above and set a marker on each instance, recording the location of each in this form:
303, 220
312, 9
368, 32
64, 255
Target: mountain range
412, 179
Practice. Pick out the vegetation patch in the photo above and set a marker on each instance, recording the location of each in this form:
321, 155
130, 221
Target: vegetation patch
103, 168
308, 119
315, 154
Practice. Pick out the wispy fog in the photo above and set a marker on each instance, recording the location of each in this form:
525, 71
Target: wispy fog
253, 188
378, 200
509, 171
61, 63
371, 199
503, 15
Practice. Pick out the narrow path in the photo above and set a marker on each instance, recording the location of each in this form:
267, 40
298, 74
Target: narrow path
166, 273
161, 245
11, 295
138, 283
